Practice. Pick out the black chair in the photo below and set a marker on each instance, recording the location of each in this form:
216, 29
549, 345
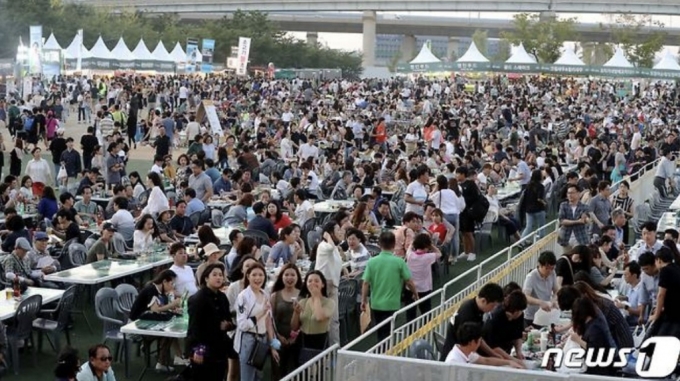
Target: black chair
195, 218
22, 329
54, 322
347, 294
205, 216
261, 238
144, 198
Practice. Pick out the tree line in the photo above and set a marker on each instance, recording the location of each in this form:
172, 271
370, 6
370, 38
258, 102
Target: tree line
268, 42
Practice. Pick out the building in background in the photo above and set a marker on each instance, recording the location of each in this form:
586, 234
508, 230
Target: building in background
389, 45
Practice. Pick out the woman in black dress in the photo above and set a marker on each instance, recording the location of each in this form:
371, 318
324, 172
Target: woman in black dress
209, 321
15, 157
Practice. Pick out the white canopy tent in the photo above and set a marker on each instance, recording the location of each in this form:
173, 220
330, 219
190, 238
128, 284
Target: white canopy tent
618, 60
425, 56
178, 54
569, 58
473, 55
668, 62
521, 56
142, 53
122, 52
51, 43
100, 50
72, 50
161, 54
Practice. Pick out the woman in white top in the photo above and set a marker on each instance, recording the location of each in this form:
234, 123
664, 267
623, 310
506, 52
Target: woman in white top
26, 189
209, 147
450, 201
137, 186
253, 320
157, 201
144, 234
234, 289
39, 169
329, 262
287, 146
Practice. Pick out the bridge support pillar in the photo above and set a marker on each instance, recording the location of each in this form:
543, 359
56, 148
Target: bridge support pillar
369, 21
453, 49
312, 38
408, 48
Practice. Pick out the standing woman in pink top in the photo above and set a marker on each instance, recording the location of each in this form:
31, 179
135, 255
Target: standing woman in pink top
419, 258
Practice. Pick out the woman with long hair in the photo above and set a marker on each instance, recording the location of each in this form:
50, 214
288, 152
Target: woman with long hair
449, 200
235, 287
360, 217
145, 232
286, 249
137, 186
209, 322
253, 318
591, 331
68, 365
329, 262
276, 216
533, 204
284, 295
313, 313
157, 201
48, 206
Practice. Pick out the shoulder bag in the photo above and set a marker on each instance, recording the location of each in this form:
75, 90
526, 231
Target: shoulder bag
307, 353
260, 351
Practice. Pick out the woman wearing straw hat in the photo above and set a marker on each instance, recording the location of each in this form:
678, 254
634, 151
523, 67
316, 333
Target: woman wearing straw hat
211, 255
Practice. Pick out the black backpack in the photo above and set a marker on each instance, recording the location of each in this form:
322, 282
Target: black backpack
478, 210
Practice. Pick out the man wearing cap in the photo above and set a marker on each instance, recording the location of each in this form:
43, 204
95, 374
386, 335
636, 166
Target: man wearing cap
103, 248
41, 260
17, 264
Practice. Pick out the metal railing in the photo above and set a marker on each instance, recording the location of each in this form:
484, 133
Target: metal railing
365, 355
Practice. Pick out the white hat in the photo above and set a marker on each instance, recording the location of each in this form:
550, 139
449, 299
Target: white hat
211, 249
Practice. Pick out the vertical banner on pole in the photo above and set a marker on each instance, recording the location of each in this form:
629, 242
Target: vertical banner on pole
192, 55
243, 54
207, 51
35, 51
79, 57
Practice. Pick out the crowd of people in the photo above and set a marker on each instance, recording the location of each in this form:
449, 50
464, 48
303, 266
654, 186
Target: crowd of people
421, 160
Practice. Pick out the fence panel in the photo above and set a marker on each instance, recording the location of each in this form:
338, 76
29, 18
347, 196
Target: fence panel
357, 366
320, 368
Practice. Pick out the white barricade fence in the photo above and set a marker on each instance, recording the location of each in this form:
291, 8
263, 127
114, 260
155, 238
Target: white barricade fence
365, 356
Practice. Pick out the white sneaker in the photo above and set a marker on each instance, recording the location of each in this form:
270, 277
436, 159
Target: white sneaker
162, 368
462, 256
181, 361
471, 257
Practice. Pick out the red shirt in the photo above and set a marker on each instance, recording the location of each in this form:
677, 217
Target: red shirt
438, 228
283, 222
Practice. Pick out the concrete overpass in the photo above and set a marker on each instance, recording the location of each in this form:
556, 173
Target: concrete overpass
326, 22
658, 7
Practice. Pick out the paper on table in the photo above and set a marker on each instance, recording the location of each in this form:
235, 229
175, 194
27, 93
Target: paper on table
45, 262
544, 319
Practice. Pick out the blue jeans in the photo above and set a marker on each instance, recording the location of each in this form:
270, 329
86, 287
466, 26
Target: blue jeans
536, 220
454, 219
248, 373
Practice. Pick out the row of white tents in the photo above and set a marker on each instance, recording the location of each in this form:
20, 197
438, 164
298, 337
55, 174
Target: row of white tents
120, 52
520, 56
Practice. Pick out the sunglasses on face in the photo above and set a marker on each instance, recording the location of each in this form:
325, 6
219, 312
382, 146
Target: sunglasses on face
109, 358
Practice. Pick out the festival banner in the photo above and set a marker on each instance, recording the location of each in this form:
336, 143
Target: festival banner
207, 51
192, 56
243, 54
35, 51
51, 63
79, 56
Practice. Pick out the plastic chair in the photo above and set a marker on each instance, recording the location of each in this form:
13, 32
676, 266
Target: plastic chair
422, 350
107, 308
313, 238
261, 238
195, 218
54, 328
127, 294
217, 218
77, 254
347, 292
22, 328
119, 245
204, 216
144, 197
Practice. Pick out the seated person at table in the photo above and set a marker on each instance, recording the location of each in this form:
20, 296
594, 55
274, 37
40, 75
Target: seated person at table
384, 214
18, 264
122, 220
87, 209
473, 310
66, 227
591, 331
276, 216
194, 205
238, 213
67, 201
287, 249
540, 286
165, 232
181, 223
145, 232
469, 341
361, 217
118, 191
262, 223
505, 326
235, 238
48, 206
211, 254
103, 248
17, 229
40, 257
630, 302
155, 299
186, 281
133, 202
359, 255
89, 180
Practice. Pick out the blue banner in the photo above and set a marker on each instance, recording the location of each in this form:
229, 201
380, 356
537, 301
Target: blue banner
192, 56
207, 51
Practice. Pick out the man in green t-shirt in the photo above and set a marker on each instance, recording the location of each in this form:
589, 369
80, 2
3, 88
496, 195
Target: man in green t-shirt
385, 275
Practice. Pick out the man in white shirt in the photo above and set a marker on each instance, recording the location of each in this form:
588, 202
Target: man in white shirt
416, 193
311, 180
303, 209
309, 149
469, 338
185, 282
157, 165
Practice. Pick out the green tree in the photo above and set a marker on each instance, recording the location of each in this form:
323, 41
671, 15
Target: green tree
628, 31
394, 61
596, 53
544, 36
481, 39
503, 51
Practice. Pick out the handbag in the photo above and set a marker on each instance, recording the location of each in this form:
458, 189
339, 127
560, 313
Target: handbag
260, 351
62, 175
307, 354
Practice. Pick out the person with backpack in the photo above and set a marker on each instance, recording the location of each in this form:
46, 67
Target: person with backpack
476, 207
